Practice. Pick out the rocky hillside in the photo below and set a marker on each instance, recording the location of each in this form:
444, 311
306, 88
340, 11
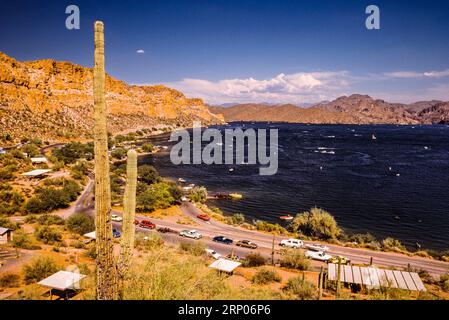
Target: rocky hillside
355, 109
53, 100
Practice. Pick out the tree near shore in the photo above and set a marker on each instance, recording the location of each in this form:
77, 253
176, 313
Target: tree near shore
316, 223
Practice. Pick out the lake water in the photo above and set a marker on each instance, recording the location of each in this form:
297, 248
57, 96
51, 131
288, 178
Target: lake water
341, 169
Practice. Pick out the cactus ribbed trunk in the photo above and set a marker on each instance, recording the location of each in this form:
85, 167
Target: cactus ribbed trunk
129, 212
105, 272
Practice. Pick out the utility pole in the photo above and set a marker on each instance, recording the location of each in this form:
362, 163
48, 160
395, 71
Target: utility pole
337, 294
272, 250
320, 284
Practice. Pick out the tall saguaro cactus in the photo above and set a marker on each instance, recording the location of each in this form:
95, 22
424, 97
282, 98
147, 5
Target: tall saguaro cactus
105, 273
129, 209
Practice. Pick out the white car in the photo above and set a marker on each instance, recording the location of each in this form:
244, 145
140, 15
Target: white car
316, 247
184, 199
318, 255
292, 243
214, 254
116, 218
193, 234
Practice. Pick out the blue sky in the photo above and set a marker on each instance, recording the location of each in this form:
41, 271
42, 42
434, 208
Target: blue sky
247, 50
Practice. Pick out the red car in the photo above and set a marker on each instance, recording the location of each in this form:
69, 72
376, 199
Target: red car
203, 217
136, 222
147, 224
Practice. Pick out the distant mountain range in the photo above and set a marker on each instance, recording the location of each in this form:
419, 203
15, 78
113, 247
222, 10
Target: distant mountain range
355, 109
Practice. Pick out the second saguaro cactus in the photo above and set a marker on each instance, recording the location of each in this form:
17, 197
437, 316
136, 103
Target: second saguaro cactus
105, 272
129, 209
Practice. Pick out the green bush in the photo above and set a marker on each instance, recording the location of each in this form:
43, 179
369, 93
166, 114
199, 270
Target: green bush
316, 223
118, 153
148, 241
39, 268
80, 223
444, 282
159, 195
198, 194
265, 276
48, 235
270, 227
8, 224
294, 259
301, 288
392, 244
50, 198
196, 248
73, 151
9, 280
49, 220
148, 174
22, 241
147, 147
10, 202
254, 260
237, 219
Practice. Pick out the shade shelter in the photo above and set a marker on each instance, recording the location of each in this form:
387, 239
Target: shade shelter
62, 281
38, 173
225, 265
375, 278
5, 235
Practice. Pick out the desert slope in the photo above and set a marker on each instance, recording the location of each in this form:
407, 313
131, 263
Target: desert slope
53, 100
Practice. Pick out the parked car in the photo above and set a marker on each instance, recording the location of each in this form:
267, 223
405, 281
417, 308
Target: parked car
292, 243
184, 199
222, 239
203, 217
166, 230
246, 244
116, 218
343, 260
214, 254
116, 233
318, 255
316, 247
147, 224
193, 234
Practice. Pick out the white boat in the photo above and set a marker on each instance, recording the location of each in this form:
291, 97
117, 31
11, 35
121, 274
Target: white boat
181, 180
373, 137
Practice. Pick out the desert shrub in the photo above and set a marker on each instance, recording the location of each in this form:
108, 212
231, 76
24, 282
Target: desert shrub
118, 153
265, 276
392, 244
50, 220
270, 227
254, 260
237, 219
301, 288
10, 202
79, 170
159, 195
9, 280
148, 174
73, 151
31, 149
21, 240
196, 248
48, 234
50, 198
384, 293
147, 147
444, 282
294, 259
8, 224
362, 238
80, 223
148, 241
39, 268
316, 223
198, 194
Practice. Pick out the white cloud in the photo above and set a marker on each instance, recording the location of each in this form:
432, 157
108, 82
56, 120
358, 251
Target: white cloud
140, 51
415, 75
283, 88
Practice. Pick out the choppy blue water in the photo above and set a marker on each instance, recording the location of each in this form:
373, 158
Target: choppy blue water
355, 182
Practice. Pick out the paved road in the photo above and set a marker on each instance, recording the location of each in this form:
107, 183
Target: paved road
265, 241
